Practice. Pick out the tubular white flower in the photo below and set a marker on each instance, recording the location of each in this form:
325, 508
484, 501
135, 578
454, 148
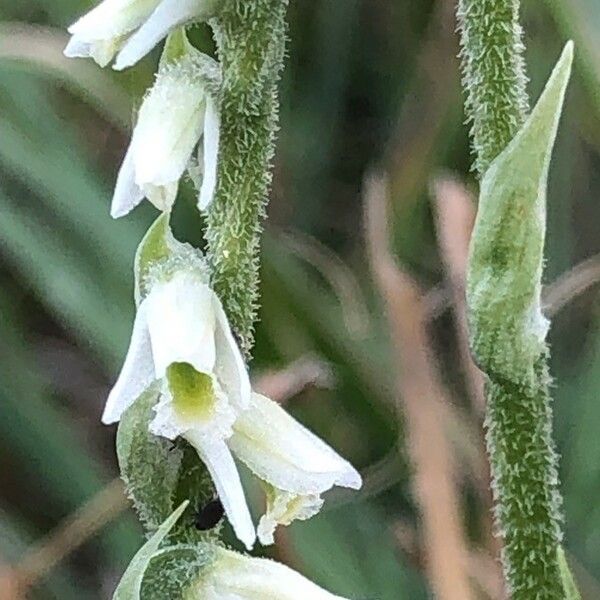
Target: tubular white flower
111, 27
296, 464
176, 113
180, 321
233, 576
181, 337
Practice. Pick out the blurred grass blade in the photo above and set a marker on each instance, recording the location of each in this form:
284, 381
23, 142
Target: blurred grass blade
39, 50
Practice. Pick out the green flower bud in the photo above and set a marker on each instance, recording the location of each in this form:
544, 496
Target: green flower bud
508, 329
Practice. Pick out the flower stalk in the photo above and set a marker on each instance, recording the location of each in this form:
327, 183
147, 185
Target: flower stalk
251, 61
494, 77
507, 328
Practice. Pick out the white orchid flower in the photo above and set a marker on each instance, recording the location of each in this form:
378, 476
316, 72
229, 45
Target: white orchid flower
178, 112
132, 28
233, 576
295, 465
181, 336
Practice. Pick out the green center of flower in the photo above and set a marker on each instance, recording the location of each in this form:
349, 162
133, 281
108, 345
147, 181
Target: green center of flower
193, 392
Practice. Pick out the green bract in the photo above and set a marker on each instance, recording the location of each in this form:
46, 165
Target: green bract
173, 570
160, 255
131, 583
569, 585
508, 329
149, 465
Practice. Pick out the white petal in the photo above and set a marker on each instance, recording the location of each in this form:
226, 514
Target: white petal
113, 18
233, 576
181, 320
219, 462
210, 153
284, 453
169, 125
77, 48
230, 366
127, 194
137, 372
162, 196
102, 51
282, 509
169, 15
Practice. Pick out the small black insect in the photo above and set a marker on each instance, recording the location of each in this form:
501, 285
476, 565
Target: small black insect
209, 515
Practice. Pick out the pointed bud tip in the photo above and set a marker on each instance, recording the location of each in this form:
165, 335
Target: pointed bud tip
108, 418
569, 49
249, 539
350, 478
120, 65
117, 214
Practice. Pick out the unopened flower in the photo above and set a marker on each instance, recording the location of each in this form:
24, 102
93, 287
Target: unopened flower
178, 112
131, 28
234, 576
181, 336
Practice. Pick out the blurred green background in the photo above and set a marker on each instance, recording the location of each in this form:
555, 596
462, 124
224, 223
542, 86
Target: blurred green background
367, 83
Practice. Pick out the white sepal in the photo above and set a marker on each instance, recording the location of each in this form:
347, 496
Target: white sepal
110, 28
168, 16
127, 194
181, 321
233, 576
230, 366
100, 33
210, 152
137, 373
282, 452
221, 466
101, 51
169, 126
295, 465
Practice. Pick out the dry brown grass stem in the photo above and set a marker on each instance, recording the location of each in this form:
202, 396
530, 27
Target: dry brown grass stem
421, 399
571, 284
454, 209
338, 275
288, 382
69, 535
455, 216
481, 566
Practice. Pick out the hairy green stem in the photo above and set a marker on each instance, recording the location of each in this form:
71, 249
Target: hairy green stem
525, 478
250, 37
507, 327
494, 75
